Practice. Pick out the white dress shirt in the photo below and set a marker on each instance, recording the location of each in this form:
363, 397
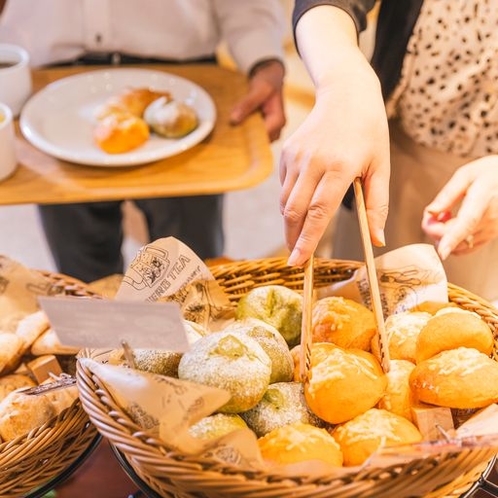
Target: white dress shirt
62, 30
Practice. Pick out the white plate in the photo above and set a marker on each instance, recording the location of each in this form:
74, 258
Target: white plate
59, 119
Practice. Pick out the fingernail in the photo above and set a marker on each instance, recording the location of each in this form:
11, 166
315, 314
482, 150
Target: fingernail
293, 258
380, 235
444, 251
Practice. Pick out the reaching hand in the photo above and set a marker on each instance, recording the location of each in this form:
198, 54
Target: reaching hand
475, 221
266, 95
345, 136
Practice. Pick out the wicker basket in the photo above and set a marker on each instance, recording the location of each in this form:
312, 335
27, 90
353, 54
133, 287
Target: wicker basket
170, 474
40, 458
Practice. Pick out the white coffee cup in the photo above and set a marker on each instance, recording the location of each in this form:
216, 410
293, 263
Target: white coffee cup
8, 159
15, 76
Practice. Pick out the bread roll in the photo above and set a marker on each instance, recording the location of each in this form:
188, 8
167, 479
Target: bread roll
453, 329
131, 101
402, 330
282, 404
299, 442
171, 118
457, 378
12, 382
273, 343
277, 305
343, 382
217, 425
399, 397
11, 351
20, 413
363, 435
48, 343
231, 361
344, 322
120, 132
31, 327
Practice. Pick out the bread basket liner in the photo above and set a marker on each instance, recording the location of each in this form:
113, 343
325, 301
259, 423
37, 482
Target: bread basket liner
44, 454
173, 473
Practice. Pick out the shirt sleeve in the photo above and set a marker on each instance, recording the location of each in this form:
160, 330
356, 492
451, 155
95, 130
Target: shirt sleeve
357, 9
253, 30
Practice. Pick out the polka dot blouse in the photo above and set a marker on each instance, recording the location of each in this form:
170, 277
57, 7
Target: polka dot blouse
447, 97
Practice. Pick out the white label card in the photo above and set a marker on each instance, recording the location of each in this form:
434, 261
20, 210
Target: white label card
101, 323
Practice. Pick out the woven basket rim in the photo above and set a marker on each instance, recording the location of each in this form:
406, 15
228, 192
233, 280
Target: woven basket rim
160, 467
40, 456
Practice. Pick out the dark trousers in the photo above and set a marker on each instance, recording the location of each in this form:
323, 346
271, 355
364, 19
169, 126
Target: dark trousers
85, 239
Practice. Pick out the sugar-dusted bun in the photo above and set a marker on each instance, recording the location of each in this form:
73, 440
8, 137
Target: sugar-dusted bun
20, 413
171, 118
344, 322
402, 330
120, 132
217, 425
453, 329
299, 442
232, 361
399, 397
343, 382
457, 378
362, 436
277, 305
282, 404
272, 341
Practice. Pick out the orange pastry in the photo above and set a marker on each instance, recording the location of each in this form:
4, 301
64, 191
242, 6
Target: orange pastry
120, 132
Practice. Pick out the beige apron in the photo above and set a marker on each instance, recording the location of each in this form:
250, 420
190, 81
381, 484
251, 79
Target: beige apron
417, 175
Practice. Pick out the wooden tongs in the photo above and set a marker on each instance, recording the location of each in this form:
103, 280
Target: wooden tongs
306, 335
372, 275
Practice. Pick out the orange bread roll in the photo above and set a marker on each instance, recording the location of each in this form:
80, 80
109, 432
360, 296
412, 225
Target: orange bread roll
457, 378
453, 329
299, 442
362, 436
402, 330
342, 383
119, 133
399, 397
344, 322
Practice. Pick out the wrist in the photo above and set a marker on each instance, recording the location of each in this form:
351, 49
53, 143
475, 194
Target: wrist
264, 63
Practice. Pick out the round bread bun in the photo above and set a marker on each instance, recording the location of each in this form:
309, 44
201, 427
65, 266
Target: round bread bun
158, 361
450, 330
12, 382
362, 436
299, 442
342, 383
171, 118
21, 413
11, 351
344, 322
456, 378
272, 341
398, 397
402, 330
282, 404
277, 305
217, 425
120, 132
433, 307
232, 361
